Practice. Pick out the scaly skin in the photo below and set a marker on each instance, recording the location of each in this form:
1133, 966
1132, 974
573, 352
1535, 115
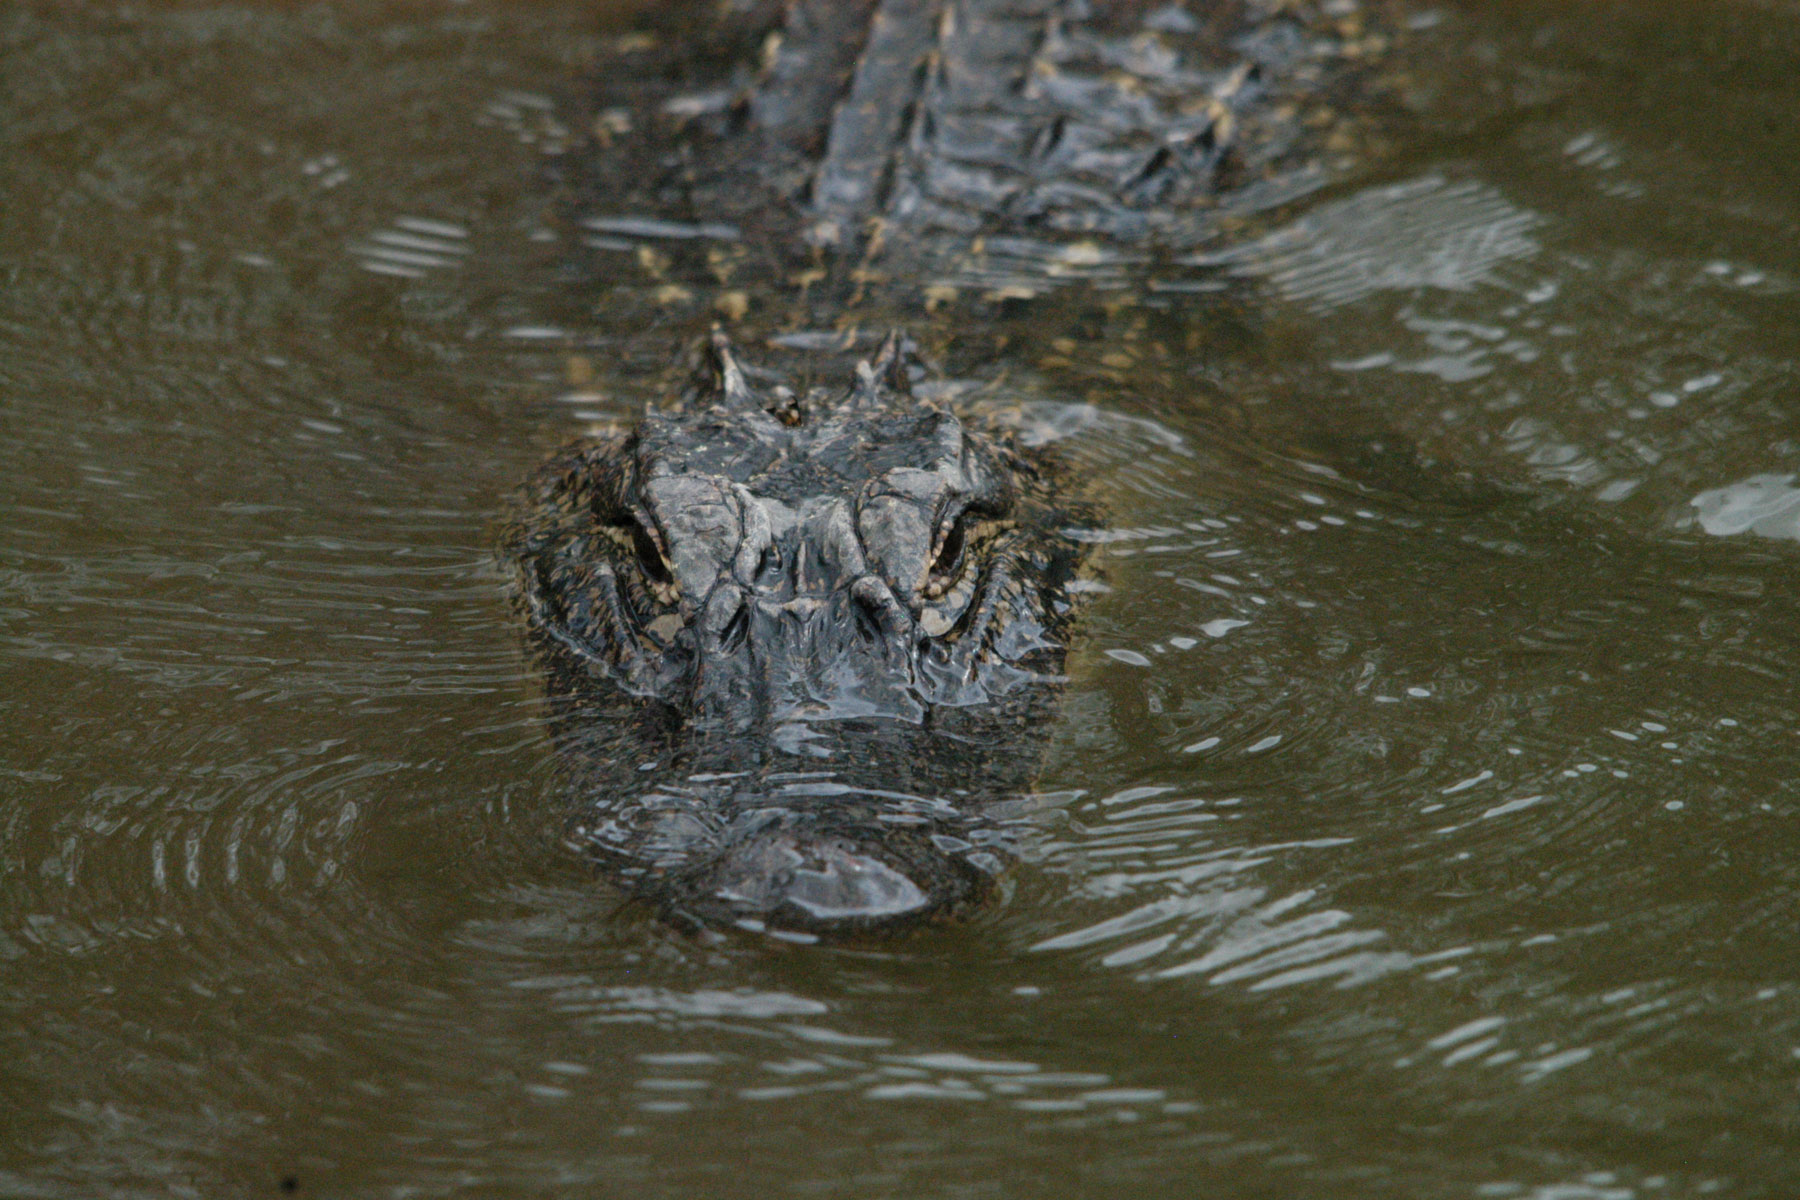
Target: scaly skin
839, 623
801, 644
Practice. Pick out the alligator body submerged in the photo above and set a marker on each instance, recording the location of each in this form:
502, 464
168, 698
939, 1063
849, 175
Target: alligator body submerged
807, 641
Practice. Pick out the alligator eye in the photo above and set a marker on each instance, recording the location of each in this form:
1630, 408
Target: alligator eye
649, 556
948, 559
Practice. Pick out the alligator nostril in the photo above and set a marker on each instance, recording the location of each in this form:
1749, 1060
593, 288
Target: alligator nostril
879, 615
725, 624
732, 636
868, 620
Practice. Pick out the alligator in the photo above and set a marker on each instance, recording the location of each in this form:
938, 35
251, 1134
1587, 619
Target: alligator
846, 610
805, 641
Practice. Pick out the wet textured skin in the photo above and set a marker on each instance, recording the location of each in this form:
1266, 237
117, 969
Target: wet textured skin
800, 643
804, 644
974, 148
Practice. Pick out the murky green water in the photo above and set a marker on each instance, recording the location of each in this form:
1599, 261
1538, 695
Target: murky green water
1423, 822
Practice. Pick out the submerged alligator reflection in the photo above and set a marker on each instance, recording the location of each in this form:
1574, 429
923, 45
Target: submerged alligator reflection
801, 642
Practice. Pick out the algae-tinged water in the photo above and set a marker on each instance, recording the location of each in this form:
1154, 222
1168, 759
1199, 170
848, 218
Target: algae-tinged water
1424, 821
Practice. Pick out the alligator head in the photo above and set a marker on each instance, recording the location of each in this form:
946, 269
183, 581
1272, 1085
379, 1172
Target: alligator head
838, 616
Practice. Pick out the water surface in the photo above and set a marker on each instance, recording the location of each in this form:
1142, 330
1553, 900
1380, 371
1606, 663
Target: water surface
1421, 822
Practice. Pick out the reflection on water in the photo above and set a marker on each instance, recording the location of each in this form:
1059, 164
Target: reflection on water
1768, 505
1425, 233
1420, 822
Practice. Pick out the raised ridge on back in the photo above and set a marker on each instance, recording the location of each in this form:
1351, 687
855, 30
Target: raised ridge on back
987, 141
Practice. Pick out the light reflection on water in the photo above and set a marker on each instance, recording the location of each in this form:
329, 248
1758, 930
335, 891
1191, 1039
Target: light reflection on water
1418, 825
1766, 505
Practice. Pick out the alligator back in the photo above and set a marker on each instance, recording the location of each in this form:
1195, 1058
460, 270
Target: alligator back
993, 143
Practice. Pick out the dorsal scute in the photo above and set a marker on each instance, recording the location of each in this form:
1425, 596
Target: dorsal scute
720, 389
895, 360
888, 375
734, 390
718, 380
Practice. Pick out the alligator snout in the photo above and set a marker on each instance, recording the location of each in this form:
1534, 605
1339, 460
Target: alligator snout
765, 658
827, 879
806, 851
790, 874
